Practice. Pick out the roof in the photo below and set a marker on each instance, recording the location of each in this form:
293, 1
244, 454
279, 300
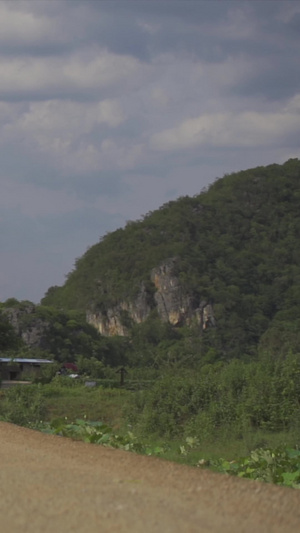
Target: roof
23, 360
71, 366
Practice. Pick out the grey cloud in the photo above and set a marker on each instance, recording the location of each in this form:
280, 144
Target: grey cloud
275, 79
190, 26
294, 24
84, 170
39, 170
185, 10
76, 94
173, 26
70, 26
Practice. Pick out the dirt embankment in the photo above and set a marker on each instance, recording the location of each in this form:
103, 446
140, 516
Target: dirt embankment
53, 484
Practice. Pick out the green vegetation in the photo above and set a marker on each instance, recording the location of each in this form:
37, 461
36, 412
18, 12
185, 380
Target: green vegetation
22, 405
58, 335
191, 394
9, 339
65, 407
280, 466
233, 397
65, 397
99, 433
236, 244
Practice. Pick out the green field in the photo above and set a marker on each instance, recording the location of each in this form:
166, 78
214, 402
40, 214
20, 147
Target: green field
104, 415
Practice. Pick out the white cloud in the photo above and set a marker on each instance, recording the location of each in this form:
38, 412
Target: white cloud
68, 119
123, 155
80, 72
9, 113
148, 27
160, 96
110, 112
293, 105
110, 154
59, 129
27, 25
230, 129
80, 113
21, 27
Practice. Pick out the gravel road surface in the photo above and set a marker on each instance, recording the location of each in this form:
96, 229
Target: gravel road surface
51, 484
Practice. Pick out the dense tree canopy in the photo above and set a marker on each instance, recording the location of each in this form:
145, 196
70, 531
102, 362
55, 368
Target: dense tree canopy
237, 244
8, 337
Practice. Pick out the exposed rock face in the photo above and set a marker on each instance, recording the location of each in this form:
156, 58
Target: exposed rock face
207, 315
172, 303
169, 298
109, 323
28, 326
115, 320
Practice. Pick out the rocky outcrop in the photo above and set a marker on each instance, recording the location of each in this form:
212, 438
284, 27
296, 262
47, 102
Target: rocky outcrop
109, 323
172, 303
31, 328
116, 320
206, 315
163, 293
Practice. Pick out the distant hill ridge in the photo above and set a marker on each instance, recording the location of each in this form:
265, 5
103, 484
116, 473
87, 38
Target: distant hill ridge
226, 261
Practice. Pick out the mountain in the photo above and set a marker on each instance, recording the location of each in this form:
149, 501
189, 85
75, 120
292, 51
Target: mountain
29, 330
222, 267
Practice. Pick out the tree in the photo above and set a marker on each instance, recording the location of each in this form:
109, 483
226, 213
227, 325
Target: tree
8, 337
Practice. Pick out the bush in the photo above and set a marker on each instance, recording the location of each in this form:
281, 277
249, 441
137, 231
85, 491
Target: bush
235, 397
23, 405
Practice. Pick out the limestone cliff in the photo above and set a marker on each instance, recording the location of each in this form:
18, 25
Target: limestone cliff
163, 293
115, 321
170, 300
31, 328
173, 304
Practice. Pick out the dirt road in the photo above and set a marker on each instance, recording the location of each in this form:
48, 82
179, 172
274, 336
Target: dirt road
51, 484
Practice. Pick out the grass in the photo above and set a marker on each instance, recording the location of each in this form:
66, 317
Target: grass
96, 404
111, 406
108, 405
179, 451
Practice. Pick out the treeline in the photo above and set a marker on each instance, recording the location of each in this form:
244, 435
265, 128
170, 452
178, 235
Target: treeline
28, 330
232, 399
236, 244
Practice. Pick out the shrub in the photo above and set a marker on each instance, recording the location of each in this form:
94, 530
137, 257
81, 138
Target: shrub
23, 405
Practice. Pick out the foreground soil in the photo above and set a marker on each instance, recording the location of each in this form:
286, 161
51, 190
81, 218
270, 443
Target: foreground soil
53, 484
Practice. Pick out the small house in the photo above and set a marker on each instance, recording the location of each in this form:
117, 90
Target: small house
16, 369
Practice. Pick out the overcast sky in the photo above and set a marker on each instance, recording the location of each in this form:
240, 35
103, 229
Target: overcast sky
110, 109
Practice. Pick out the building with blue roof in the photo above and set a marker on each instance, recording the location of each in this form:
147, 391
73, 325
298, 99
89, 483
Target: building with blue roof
15, 369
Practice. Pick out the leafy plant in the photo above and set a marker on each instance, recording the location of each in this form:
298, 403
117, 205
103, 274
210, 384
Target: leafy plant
23, 405
99, 433
280, 466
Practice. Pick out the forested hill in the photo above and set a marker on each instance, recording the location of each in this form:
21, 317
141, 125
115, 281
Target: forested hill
235, 245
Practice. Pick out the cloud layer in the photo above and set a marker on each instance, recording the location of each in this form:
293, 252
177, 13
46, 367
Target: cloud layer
109, 109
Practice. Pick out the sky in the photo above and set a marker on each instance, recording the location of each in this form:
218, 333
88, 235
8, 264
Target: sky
109, 109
